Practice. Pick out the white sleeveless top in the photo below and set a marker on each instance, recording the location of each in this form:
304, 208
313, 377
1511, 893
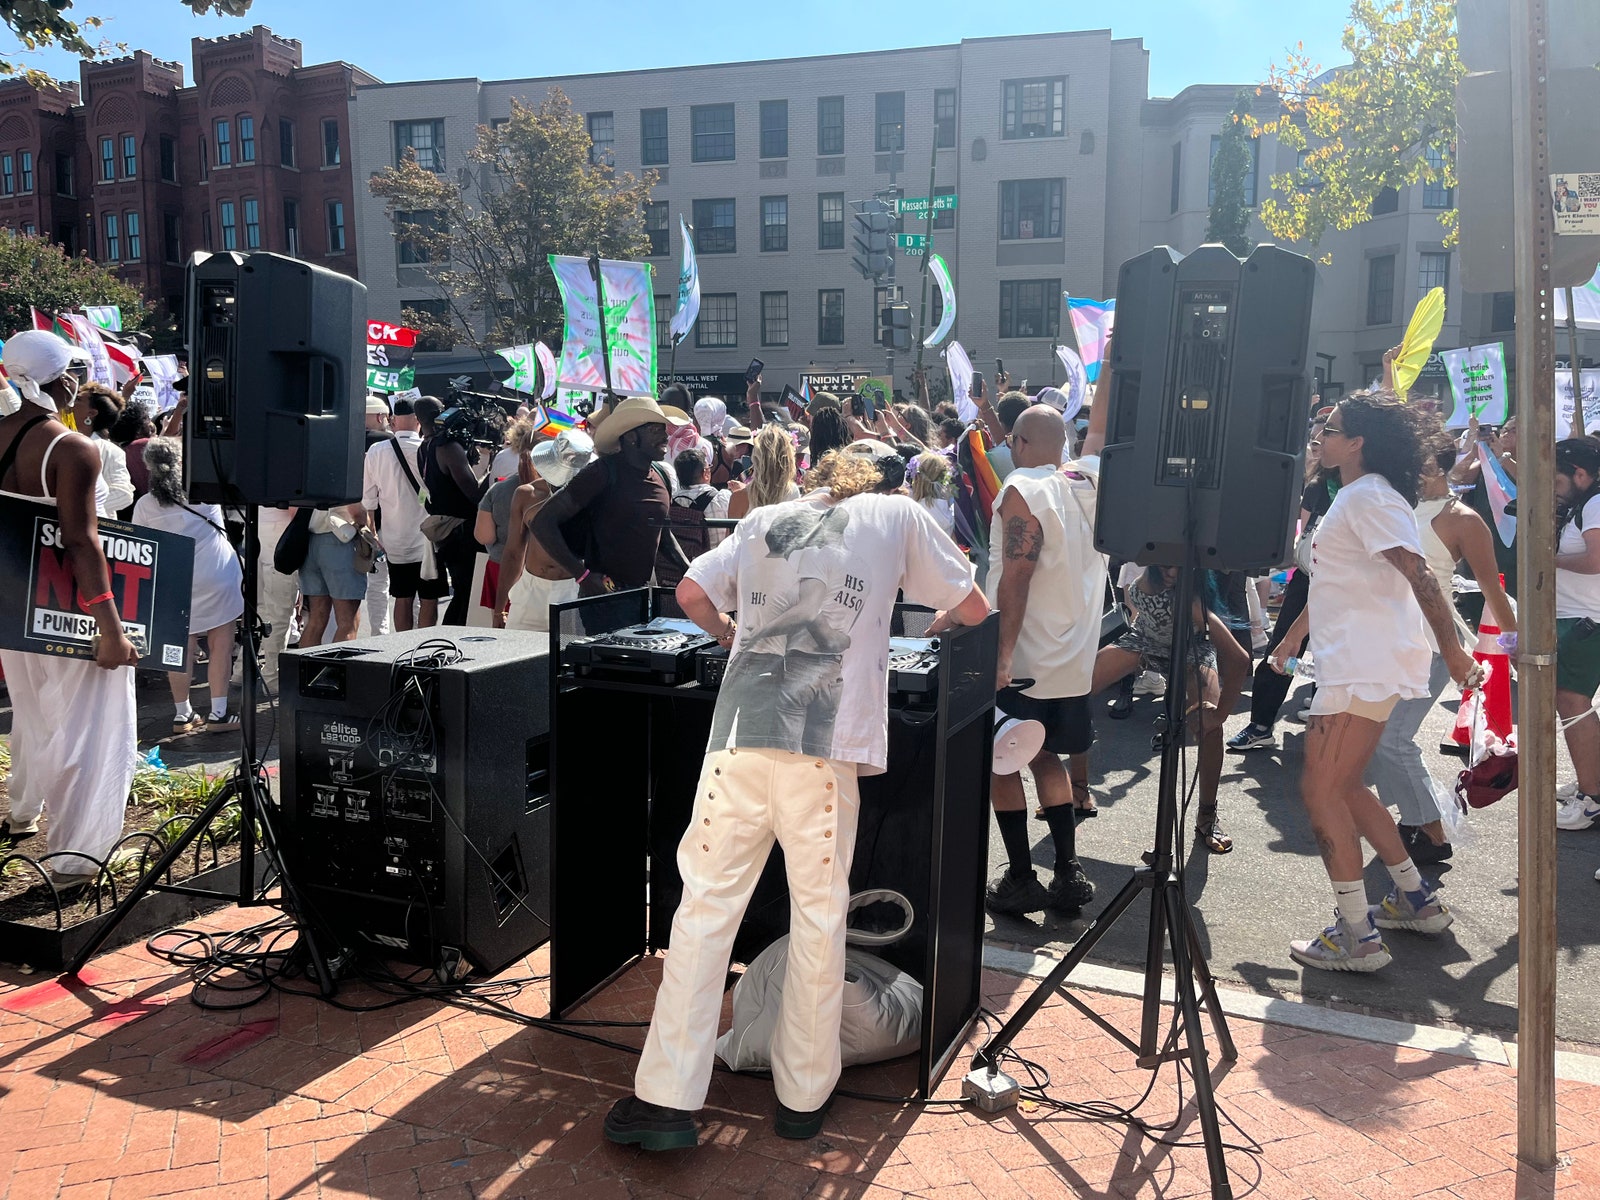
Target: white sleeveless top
101, 492
1443, 565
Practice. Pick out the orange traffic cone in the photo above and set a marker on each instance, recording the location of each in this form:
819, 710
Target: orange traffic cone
1496, 690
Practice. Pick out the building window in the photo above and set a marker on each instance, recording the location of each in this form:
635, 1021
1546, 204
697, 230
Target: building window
944, 117
1434, 271
130, 156
774, 318
230, 232
8, 175
663, 322
713, 227
1435, 194
65, 175
113, 241
247, 139
774, 129
882, 298
1032, 108
1030, 208
830, 221
425, 138
26, 161
1249, 179
774, 223
890, 122
945, 218
108, 159
1177, 173
718, 323
655, 224
335, 226
330, 142
602, 139
830, 125
252, 225
171, 238
830, 317
653, 137
29, 229
1503, 312
1385, 202
224, 144
205, 231
169, 160
285, 142
1030, 308
428, 224
1380, 290
712, 129
205, 158
135, 252
291, 228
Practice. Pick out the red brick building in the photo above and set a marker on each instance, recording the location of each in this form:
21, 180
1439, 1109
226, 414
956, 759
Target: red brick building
138, 170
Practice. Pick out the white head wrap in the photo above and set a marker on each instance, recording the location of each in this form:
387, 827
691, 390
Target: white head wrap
34, 359
711, 415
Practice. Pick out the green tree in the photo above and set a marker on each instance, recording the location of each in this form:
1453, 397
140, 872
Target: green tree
1229, 222
40, 23
37, 273
530, 191
1385, 121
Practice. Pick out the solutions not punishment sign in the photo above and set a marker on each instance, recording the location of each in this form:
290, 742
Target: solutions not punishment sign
151, 574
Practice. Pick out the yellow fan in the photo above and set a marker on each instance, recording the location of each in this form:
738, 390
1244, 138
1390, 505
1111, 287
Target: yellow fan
1426, 322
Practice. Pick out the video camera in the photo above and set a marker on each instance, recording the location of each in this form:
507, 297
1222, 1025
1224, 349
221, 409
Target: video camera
470, 418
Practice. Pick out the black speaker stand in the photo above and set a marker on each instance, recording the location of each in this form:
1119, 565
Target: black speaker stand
257, 809
1171, 928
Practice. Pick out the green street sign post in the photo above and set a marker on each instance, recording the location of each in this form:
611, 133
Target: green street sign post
917, 206
911, 241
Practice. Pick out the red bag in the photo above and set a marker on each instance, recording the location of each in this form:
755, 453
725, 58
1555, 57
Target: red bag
1490, 780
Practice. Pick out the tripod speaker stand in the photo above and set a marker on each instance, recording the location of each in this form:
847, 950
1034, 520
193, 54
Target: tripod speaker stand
1201, 470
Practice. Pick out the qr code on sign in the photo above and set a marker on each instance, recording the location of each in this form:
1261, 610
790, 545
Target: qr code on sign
171, 656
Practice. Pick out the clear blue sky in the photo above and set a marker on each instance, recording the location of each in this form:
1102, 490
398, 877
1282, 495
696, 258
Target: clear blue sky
1190, 41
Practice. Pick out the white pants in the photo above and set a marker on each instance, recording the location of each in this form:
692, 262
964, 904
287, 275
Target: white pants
745, 800
528, 604
74, 746
377, 621
275, 592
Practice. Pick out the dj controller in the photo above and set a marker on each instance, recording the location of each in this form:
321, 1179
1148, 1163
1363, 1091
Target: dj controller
671, 652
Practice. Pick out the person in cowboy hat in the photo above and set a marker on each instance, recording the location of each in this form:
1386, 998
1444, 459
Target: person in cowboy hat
625, 494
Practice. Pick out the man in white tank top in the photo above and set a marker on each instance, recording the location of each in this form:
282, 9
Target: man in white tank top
1047, 580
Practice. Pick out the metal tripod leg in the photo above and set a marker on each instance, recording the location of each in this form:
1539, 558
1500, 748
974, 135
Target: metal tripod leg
1180, 935
1208, 992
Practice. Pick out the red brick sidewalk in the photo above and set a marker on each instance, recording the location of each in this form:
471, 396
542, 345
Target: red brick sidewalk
122, 1088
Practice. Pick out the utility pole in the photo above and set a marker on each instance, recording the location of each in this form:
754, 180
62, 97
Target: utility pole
1532, 239
927, 250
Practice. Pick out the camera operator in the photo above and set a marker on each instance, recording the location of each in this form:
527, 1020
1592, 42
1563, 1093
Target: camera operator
453, 491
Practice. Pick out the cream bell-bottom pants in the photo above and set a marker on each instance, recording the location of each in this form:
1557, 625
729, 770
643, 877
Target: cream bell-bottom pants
747, 799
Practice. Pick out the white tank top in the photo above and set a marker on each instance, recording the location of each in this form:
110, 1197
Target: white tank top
101, 492
1441, 562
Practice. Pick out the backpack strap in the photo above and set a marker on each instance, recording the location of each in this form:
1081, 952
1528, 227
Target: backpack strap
8, 460
701, 503
404, 465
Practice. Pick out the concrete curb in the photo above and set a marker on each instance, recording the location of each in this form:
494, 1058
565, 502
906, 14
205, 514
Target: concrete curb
1479, 1047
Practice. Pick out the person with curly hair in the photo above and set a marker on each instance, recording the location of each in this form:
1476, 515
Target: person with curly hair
1371, 590
95, 413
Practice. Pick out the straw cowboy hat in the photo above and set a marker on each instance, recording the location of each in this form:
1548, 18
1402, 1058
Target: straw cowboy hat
630, 414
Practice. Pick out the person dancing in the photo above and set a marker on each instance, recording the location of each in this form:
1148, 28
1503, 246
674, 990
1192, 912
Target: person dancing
1370, 584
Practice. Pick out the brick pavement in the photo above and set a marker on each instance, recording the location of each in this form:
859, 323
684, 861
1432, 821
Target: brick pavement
122, 1088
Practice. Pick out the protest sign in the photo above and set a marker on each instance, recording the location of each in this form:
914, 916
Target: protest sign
1575, 196
151, 573
164, 373
105, 316
959, 365
1478, 382
1591, 401
524, 367
630, 326
390, 349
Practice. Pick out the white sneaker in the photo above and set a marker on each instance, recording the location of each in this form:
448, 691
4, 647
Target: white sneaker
1151, 683
1566, 791
1578, 813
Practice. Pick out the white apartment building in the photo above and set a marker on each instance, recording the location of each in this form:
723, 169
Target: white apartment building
1063, 167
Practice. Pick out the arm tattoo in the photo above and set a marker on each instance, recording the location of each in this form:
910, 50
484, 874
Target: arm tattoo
1022, 542
1430, 596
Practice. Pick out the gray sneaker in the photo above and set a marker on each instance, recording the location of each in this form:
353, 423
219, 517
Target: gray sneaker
1337, 949
1398, 912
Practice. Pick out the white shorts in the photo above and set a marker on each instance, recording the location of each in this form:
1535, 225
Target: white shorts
1332, 699
531, 597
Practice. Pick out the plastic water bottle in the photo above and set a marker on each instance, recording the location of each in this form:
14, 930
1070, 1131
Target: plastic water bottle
1302, 666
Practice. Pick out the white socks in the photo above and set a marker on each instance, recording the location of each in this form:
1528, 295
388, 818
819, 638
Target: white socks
1407, 878
1352, 900
219, 709
182, 712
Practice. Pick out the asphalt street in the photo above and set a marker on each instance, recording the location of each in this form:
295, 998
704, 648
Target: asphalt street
1272, 888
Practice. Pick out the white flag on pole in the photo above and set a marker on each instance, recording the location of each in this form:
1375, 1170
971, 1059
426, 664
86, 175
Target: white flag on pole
688, 310
163, 369
960, 367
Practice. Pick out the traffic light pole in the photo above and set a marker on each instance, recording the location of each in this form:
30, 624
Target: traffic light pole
927, 252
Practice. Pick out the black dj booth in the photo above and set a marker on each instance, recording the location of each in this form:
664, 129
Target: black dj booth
630, 715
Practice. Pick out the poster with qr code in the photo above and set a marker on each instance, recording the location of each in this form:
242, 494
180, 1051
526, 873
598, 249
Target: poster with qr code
1576, 197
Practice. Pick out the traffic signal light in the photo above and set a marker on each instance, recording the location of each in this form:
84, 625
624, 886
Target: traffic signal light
873, 231
897, 327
